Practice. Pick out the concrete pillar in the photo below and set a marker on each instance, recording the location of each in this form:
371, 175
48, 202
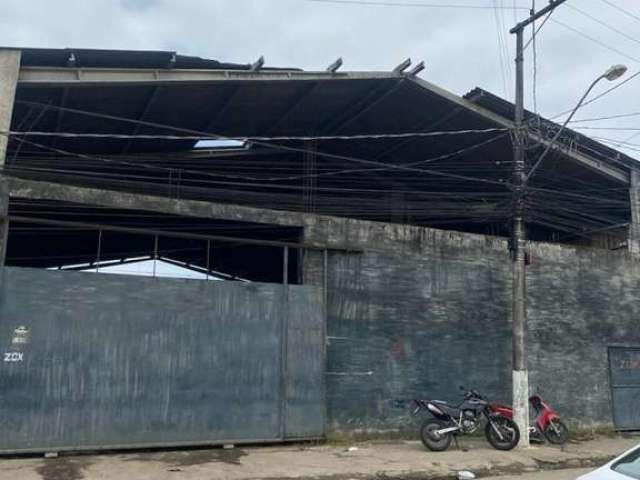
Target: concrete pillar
634, 200
9, 70
4, 224
397, 204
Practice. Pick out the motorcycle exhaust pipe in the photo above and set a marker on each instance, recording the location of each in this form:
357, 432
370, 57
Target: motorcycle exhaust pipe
444, 431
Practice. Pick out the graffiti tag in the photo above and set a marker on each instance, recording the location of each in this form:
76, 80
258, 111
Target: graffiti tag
13, 356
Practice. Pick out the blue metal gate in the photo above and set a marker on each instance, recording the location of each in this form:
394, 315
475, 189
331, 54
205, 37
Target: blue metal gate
624, 368
95, 361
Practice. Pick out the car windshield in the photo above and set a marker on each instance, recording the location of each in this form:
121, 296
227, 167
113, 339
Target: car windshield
629, 465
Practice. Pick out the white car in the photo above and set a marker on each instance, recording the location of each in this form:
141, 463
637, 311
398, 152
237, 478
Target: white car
624, 467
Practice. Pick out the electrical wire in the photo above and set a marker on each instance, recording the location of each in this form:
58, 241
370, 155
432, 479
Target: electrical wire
219, 182
440, 213
504, 62
610, 117
411, 4
341, 205
537, 30
408, 167
635, 147
535, 59
462, 210
370, 136
631, 137
631, 129
620, 9
604, 24
598, 97
412, 166
595, 40
374, 209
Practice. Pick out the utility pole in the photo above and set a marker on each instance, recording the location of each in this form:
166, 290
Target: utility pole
519, 279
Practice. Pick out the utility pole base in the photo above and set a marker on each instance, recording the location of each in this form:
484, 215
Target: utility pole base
521, 405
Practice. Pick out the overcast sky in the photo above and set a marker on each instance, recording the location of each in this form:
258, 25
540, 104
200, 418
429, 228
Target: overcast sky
461, 46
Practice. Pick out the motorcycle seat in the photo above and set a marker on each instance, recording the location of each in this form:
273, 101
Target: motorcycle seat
446, 408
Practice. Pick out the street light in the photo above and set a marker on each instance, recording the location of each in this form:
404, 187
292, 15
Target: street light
615, 72
611, 74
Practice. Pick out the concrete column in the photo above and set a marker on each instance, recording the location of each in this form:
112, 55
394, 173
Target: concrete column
634, 200
4, 224
9, 70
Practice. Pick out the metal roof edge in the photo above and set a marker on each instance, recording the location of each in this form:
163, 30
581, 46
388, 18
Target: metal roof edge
500, 103
125, 58
67, 75
587, 160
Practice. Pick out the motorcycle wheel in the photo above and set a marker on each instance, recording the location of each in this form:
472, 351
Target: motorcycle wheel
509, 431
558, 437
431, 439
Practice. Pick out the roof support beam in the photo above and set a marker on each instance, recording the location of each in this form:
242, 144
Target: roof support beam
145, 111
365, 104
222, 109
295, 103
49, 76
198, 269
159, 233
423, 126
61, 103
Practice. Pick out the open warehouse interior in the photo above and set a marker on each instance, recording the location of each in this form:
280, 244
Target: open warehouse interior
383, 146
61, 235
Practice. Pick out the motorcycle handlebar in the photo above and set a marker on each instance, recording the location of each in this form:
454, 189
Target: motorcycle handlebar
473, 394
469, 392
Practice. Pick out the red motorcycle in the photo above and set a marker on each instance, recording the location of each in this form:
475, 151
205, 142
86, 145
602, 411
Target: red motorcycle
547, 424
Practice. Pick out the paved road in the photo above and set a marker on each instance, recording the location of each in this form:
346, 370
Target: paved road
552, 475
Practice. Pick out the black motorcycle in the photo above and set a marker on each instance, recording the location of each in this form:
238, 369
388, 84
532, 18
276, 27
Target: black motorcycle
437, 433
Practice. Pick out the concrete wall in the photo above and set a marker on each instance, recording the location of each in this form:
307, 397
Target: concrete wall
423, 311
581, 301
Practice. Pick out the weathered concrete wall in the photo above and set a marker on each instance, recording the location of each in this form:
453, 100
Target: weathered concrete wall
419, 313
423, 311
581, 301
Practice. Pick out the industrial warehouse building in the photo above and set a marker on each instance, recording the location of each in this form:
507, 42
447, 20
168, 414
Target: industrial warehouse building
359, 220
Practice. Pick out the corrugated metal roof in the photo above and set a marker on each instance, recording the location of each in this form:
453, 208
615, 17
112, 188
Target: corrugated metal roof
582, 142
98, 58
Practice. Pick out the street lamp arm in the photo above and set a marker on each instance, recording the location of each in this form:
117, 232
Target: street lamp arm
562, 128
553, 4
